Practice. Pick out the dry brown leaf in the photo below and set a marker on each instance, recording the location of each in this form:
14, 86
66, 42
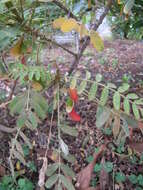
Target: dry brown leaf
104, 177
84, 176
16, 49
116, 126
138, 147
2, 171
42, 172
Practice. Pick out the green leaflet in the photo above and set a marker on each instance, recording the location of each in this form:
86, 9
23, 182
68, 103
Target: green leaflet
123, 88
70, 158
37, 108
32, 118
92, 91
102, 116
132, 96
99, 77
136, 111
17, 104
37, 97
52, 169
21, 120
69, 130
73, 82
51, 181
116, 101
104, 96
126, 105
66, 182
82, 87
67, 170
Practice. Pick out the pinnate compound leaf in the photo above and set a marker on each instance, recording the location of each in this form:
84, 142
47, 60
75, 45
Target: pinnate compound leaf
136, 111
52, 169
104, 96
67, 171
126, 105
116, 100
102, 116
92, 91
51, 181
69, 130
66, 182
96, 41
69, 25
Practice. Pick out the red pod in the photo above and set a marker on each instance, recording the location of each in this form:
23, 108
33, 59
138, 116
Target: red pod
73, 94
23, 60
74, 116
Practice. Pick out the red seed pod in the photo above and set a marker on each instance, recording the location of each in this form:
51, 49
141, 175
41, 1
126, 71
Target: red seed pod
74, 116
23, 60
73, 94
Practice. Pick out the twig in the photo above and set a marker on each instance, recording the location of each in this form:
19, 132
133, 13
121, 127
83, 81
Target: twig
13, 89
87, 39
7, 129
59, 4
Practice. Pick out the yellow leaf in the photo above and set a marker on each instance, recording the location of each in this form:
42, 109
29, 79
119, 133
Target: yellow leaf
37, 86
16, 49
96, 41
58, 22
69, 25
89, 4
82, 30
119, 2
18, 167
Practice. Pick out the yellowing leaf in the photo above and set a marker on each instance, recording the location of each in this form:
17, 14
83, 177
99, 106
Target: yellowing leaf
89, 4
37, 86
16, 49
58, 22
96, 41
68, 25
81, 29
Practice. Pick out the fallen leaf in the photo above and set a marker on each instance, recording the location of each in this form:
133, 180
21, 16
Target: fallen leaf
138, 147
16, 49
2, 171
42, 173
84, 176
104, 177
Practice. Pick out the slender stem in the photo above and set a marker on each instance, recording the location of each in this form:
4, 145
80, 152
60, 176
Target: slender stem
28, 97
59, 134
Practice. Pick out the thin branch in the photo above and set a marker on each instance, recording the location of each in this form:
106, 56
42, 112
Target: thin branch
43, 37
59, 4
87, 39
